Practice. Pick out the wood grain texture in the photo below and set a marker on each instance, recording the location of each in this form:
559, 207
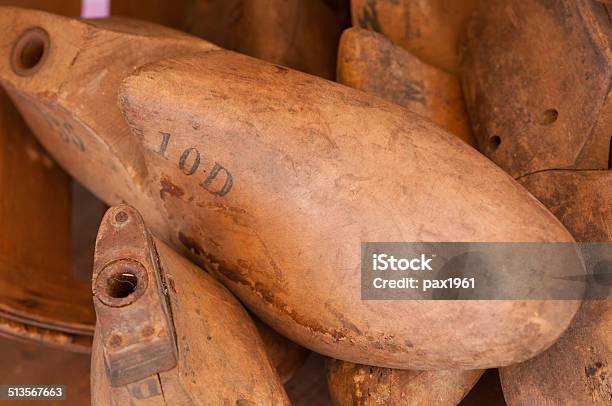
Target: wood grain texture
221, 358
370, 62
169, 13
519, 61
581, 360
36, 283
556, 140
41, 298
580, 199
430, 29
133, 316
353, 384
306, 185
266, 176
300, 34
223, 23
32, 364
575, 371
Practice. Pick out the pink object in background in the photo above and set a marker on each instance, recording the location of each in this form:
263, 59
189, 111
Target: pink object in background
95, 8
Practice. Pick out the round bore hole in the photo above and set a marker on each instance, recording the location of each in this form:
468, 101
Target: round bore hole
121, 284
30, 51
549, 116
494, 142
121, 217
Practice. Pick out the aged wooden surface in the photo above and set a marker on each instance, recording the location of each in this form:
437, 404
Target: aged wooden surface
86, 212
370, 62
219, 356
354, 384
132, 310
41, 297
536, 77
580, 199
256, 171
429, 29
300, 34
26, 331
223, 23
555, 138
340, 325
169, 13
32, 364
37, 286
577, 369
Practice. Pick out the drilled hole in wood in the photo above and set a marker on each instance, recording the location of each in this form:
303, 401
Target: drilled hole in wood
121, 282
121, 285
549, 116
494, 142
121, 217
30, 51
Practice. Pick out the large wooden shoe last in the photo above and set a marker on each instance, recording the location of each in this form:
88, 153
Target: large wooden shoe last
371, 62
272, 178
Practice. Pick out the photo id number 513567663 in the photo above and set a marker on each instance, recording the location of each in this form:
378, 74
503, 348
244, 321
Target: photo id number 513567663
32, 392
